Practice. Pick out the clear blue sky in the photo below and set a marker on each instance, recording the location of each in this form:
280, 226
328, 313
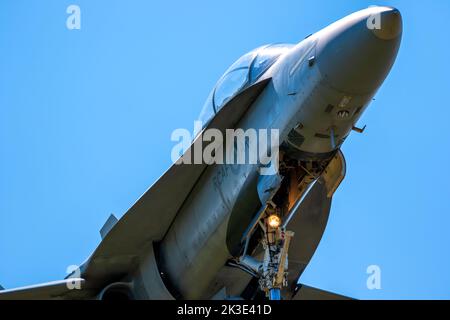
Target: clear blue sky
86, 117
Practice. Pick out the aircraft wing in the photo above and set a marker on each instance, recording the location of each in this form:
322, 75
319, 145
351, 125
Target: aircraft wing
46, 291
309, 293
145, 222
149, 218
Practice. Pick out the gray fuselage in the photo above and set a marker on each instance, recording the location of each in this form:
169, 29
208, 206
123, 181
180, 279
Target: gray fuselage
319, 88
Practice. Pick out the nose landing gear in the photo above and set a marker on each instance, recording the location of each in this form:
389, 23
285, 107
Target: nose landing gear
266, 242
272, 271
275, 264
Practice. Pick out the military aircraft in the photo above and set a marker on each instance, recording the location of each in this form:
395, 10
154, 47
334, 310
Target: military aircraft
210, 231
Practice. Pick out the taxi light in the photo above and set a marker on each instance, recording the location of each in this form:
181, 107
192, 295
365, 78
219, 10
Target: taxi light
274, 221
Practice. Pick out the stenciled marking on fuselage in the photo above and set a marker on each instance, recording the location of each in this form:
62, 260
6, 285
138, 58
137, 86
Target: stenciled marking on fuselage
223, 173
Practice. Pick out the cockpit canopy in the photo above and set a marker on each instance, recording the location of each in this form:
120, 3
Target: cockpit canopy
244, 72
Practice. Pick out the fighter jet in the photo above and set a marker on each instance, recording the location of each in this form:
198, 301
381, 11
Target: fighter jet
226, 231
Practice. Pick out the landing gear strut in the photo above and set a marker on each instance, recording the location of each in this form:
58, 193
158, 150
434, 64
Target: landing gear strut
272, 271
265, 243
274, 268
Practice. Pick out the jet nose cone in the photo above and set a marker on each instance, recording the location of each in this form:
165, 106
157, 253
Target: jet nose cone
356, 53
388, 25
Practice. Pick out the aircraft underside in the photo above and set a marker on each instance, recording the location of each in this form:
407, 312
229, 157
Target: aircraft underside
208, 230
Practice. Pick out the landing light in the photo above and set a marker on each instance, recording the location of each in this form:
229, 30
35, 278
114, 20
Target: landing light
274, 221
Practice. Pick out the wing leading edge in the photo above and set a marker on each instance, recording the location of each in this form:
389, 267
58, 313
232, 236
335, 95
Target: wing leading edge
145, 222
